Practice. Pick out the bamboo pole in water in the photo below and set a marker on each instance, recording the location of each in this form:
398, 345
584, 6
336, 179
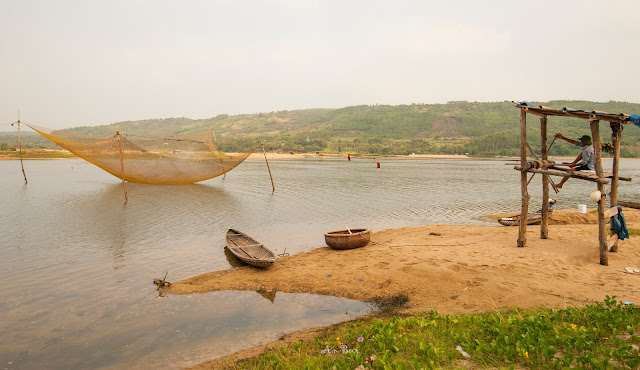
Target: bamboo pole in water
20, 149
126, 198
215, 140
265, 159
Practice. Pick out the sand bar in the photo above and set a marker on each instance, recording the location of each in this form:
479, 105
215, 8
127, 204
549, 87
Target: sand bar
454, 269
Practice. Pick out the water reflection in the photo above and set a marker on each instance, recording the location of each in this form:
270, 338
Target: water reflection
270, 295
151, 211
232, 259
179, 331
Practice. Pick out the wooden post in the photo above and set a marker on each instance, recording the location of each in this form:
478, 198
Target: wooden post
20, 149
522, 235
126, 198
602, 234
219, 154
269, 168
544, 227
616, 135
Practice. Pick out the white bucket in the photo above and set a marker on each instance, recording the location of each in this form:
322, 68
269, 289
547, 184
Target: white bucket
582, 208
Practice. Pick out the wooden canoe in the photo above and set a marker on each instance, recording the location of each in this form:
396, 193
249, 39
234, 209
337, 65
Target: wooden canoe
347, 239
248, 250
533, 219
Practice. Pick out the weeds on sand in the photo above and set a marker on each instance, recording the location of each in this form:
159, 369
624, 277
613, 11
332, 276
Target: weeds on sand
633, 231
602, 335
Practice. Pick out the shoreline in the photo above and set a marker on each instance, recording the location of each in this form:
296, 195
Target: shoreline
453, 269
64, 154
276, 155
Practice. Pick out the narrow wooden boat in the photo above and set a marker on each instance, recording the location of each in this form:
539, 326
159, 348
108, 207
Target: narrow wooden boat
248, 250
348, 238
533, 219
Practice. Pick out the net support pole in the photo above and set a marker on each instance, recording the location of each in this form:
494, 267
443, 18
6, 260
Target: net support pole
268, 168
215, 140
126, 198
20, 150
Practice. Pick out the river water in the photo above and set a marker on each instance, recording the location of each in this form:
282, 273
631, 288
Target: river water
78, 263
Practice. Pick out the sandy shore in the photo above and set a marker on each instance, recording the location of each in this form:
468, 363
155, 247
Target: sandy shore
455, 269
479, 265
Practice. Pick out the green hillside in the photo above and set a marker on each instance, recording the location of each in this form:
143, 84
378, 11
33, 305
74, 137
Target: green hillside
482, 129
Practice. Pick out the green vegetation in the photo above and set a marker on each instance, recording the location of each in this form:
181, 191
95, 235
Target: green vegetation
597, 336
35, 154
480, 129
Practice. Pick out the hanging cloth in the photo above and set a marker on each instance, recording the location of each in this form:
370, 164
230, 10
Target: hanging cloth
619, 225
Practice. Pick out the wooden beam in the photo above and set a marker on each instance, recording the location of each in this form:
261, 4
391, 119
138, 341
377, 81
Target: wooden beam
562, 174
602, 235
635, 205
522, 234
616, 135
532, 152
544, 225
613, 240
589, 174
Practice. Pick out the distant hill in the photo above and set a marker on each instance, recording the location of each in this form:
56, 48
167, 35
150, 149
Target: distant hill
481, 129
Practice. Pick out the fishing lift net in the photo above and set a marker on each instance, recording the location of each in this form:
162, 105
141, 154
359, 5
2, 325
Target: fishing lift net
176, 160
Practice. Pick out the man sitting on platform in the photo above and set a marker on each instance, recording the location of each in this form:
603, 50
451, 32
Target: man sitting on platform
585, 158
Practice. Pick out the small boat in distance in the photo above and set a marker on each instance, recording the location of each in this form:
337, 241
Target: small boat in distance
248, 250
347, 239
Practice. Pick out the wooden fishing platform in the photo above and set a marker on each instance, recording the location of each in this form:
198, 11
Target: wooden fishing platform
542, 165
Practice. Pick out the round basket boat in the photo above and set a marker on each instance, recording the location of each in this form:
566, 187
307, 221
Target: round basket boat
343, 239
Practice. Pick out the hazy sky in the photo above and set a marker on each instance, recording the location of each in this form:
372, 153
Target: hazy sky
71, 63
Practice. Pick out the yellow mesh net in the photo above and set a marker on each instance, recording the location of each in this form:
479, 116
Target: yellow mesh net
175, 160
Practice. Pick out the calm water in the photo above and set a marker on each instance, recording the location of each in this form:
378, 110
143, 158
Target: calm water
78, 263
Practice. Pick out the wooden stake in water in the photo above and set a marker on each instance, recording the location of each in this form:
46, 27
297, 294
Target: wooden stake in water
20, 149
265, 159
215, 140
126, 198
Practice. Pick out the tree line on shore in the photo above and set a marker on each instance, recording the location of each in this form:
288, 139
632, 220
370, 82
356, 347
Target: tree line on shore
460, 127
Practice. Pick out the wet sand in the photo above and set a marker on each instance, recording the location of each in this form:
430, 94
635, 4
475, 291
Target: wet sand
455, 269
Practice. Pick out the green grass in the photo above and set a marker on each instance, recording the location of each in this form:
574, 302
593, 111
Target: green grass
598, 336
633, 231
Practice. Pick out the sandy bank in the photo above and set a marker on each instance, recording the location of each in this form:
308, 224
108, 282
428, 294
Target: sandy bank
454, 269
451, 269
